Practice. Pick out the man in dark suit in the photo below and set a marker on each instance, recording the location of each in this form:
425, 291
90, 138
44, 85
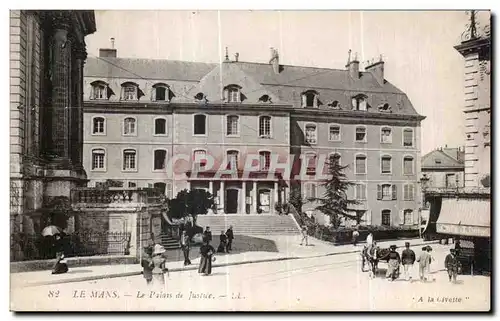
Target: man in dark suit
185, 245
207, 235
230, 237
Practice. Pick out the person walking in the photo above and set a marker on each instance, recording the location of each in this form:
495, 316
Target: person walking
304, 236
185, 246
355, 235
207, 234
452, 265
408, 258
147, 264
207, 252
393, 264
57, 268
424, 261
430, 273
159, 267
369, 239
223, 243
230, 238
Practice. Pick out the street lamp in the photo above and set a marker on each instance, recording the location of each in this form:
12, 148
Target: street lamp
423, 183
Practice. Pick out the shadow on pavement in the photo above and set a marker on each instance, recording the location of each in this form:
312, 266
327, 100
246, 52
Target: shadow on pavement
245, 243
78, 271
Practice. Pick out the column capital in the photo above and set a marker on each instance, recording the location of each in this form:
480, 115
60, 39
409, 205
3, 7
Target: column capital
79, 50
61, 19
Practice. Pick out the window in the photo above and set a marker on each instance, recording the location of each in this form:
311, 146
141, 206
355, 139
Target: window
386, 135
129, 159
451, 181
265, 126
311, 134
361, 134
408, 192
130, 91
334, 133
132, 185
386, 192
361, 192
310, 190
100, 90
361, 164
386, 217
160, 92
310, 99
232, 125
310, 160
385, 164
200, 159
200, 125
437, 161
408, 165
98, 126
160, 126
359, 102
129, 126
160, 159
408, 137
232, 160
265, 160
98, 159
233, 94
408, 217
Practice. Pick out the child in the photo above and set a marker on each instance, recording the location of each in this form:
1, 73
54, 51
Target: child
159, 267
147, 264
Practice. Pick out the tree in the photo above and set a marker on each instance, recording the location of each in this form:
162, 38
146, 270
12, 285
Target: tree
335, 202
191, 202
296, 196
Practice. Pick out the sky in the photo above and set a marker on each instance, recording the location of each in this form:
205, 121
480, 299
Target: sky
417, 48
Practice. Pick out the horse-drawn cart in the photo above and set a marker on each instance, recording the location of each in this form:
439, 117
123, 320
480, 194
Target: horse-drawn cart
372, 257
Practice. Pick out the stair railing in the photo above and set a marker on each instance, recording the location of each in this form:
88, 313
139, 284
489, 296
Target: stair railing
296, 216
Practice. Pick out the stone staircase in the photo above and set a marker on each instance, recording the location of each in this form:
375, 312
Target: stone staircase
169, 242
248, 224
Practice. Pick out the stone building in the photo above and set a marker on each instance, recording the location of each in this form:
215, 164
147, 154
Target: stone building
175, 125
47, 54
444, 168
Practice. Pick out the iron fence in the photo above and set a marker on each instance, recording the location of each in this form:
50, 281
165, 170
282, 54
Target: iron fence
36, 247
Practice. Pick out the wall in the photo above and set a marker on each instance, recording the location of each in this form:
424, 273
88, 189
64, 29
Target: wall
437, 178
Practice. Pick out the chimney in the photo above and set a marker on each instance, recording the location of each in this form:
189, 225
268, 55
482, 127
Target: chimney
236, 56
353, 66
109, 52
274, 61
377, 70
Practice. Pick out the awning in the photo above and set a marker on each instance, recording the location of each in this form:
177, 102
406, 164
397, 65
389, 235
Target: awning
468, 217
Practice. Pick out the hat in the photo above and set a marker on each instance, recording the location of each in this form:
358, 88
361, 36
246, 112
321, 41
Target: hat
393, 246
407, 243
158, 249
453, 250
429, 248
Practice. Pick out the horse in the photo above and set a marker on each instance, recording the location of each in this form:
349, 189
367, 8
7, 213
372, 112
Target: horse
373, 256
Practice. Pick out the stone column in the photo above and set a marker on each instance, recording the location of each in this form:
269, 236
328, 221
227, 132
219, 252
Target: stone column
276, 196
61, 89
254, 197
243, 207
80, 55
222, 191
211, 187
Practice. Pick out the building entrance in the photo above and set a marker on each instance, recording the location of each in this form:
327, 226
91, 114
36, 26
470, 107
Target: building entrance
231, 201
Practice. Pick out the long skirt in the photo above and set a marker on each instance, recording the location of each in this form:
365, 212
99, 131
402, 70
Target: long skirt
205, 265
392, 269
158, 281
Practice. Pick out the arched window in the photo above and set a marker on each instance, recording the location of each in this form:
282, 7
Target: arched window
232, 125
100, 90
232, 93
200, 124
360, 191
129, 126
408, 192
265, 160
407, 217
200, 158
359, 102
99, 126
160, 126
310, 190
386, 135
334, 134
98, 159
265, 126
311, 134
310, 159
361, 134
386, 164
129, 160
131, 91
160, 159
160, 92
408, 165
408, 137
310, 99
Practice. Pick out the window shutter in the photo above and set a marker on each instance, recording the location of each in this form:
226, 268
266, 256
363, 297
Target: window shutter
401, 217
153, 94
379, 192
411, 192
368, 217
394, 192
416, 218
354, 102
304, 100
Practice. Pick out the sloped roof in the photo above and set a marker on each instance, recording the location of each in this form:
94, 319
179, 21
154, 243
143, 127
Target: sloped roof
257, 79
438, 159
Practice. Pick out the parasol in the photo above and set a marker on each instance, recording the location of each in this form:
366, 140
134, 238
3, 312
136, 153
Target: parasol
51, 230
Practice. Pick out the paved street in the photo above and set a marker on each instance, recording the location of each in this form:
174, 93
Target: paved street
326, 283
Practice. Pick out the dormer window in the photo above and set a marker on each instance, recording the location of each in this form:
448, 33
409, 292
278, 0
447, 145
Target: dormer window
359, 102
232, 94
334, 104
160, 92
100, 90
131, 91
310, 99
384, 107
265, 99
